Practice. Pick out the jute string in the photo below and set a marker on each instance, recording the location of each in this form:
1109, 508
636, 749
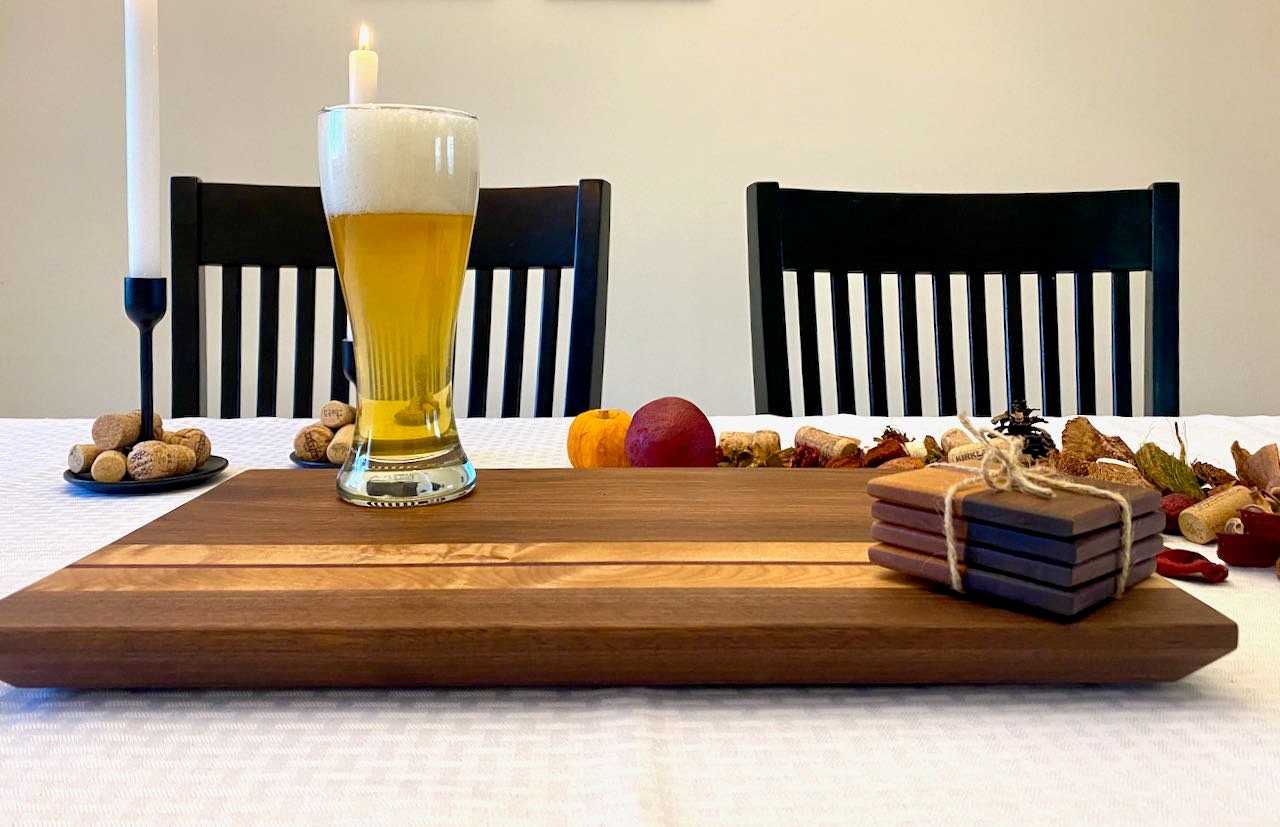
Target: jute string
1002, 470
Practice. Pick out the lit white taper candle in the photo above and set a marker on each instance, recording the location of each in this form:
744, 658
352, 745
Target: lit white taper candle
142, 136
362, 71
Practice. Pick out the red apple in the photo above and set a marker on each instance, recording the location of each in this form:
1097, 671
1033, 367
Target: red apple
671, 433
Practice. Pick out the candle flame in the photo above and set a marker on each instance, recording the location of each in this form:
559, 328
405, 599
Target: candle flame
364, 36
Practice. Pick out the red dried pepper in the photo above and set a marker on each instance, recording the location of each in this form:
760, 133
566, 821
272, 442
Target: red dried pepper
1248, 550
1185, 564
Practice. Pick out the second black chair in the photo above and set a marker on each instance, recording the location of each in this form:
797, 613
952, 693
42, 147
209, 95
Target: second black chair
241, 225
875, 234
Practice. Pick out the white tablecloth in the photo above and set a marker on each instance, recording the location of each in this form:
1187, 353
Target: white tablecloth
1203, 750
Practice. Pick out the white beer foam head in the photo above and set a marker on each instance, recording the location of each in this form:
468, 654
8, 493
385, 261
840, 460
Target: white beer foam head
413, 160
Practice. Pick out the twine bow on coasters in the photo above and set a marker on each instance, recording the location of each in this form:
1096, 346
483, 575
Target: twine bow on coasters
1002, 470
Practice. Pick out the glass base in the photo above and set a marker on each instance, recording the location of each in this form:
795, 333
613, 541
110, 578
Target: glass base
408, 481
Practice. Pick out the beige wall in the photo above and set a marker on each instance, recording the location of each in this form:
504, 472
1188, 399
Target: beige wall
680, 104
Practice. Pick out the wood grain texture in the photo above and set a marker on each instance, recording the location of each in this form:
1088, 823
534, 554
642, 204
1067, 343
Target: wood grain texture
555, 577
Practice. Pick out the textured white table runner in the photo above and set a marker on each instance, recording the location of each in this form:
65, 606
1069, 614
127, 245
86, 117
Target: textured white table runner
1203, 750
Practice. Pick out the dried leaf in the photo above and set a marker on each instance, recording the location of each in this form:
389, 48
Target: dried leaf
780, 459
1240, 456
1167, 472
1262, 468
1115, 472
1073, 464
883, 452
933, 451
1211, 475
1081, 438
895, 434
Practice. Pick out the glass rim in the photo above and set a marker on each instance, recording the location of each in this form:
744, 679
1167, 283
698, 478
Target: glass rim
441, 110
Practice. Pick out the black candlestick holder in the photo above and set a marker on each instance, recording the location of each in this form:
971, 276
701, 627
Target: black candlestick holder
145, 303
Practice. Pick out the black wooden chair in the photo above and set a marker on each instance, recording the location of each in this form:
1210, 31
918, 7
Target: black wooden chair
874, 234
241, 225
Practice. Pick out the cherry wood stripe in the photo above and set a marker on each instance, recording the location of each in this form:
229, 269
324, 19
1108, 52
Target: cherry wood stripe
451, 554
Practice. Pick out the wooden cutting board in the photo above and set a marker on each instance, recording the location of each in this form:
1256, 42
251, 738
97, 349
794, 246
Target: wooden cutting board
555, 577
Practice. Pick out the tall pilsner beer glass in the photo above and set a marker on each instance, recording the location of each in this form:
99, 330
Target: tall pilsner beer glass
399, 186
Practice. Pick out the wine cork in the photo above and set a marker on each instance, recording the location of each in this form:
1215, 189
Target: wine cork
829, 446
954, 438
152, 460
193, 438
312, 441
185, 457
340, 445
336, 413
960, 453
1201, 522
111, 432
108, 466
81, 457
765, 443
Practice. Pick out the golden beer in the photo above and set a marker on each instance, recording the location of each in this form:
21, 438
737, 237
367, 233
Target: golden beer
399, 186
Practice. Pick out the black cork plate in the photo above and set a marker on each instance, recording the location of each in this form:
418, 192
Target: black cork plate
209, 469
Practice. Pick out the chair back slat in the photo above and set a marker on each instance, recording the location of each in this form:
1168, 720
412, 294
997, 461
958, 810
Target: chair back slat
548, 332
1086, 381
268, 338
270, 227
909, 337
304, 342
1014, 363
944, 348
517, 303
231, 303
877, 373
979, 364
339, 385
807, 316
1050, 368
1117, 232
1121, 350
481, 327
842, 335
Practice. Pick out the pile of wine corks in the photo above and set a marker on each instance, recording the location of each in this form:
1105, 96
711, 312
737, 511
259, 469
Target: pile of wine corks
329, 439
116, 454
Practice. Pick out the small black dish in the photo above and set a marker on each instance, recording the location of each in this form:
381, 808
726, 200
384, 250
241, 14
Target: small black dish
310, 463
209, 469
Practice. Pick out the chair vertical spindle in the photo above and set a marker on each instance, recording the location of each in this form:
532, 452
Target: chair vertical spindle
482, 320
979, 361
842, 336
231, 285
304, 344
1050, 368
517, 301
944, 348
547, 333
1014, 356
876, 372
806, 311
909, 337
339, 387
1086, 382
268, 339
1121, 349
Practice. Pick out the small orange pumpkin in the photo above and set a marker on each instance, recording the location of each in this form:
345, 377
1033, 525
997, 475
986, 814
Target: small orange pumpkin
598, 439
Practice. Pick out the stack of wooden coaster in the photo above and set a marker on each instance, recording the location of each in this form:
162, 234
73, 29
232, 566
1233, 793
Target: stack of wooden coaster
1061, 555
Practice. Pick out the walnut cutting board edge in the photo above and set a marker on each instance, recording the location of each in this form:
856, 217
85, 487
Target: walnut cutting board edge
555, 577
